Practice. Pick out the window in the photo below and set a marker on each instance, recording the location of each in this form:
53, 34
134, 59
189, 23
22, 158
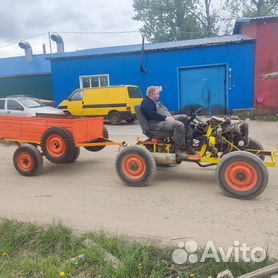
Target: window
76, 96
134, 92
14, 105
104, 80
2, 104
94, 81
30, 103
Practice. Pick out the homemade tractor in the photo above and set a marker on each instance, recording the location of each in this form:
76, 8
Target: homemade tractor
241, 170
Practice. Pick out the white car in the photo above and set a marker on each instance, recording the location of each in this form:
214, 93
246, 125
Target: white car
25, 107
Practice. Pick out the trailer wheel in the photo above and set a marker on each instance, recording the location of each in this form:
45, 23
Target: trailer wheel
115, 118
58, 145
98, 148
27, 160
75, 155
135, 166
242, 175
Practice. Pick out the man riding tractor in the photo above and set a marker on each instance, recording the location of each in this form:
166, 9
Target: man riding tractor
160, 118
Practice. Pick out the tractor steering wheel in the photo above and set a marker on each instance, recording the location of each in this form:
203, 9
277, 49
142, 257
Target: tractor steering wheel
195, 114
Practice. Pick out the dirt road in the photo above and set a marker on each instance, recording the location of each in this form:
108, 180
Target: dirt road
182, 202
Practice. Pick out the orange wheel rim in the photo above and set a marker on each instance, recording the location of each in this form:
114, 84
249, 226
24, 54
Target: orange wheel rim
25, 161
55, 145
241, 176
133, 167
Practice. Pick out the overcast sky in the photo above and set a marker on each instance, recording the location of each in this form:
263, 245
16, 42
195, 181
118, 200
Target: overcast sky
22, 19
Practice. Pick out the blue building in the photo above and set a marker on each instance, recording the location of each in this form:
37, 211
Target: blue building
30, 74
21, 77
216, 73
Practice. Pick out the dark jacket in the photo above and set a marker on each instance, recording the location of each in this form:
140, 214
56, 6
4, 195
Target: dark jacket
148, 108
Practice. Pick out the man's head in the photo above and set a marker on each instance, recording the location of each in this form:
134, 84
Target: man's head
153, 93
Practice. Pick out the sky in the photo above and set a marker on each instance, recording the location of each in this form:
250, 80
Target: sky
32, 20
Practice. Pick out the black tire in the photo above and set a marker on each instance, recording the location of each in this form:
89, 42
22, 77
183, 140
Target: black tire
67, 113
255, 145
135, 166
58, 145
115, 118
242, 175
27, 160
98, 148
75, 155
131, 120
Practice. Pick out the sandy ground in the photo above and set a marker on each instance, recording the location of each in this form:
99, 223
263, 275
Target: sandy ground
182, 202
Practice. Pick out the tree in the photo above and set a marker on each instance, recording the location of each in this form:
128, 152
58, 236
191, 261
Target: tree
251, 8
207, 17
167, 20
170, 20
256, 8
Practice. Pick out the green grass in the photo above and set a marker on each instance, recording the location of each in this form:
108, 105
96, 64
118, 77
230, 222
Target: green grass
29, 250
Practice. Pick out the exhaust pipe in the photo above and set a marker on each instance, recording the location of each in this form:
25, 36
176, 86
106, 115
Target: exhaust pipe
28, 50
59, 41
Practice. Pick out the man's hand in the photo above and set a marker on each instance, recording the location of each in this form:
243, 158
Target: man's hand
268, 76
170, 119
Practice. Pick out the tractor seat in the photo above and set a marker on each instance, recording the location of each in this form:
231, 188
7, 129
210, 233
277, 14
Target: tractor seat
146, 127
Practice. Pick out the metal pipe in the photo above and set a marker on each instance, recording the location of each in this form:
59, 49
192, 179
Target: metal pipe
28, 50
142, 67
59, 41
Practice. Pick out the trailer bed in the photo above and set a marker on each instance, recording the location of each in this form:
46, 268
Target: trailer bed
23, 129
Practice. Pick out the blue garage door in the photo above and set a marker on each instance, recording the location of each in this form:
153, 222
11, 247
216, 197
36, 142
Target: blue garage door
203, 87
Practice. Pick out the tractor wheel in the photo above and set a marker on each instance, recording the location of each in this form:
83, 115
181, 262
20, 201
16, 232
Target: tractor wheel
255, 145
135, 166
58, 145
27, 160
115, 118
242, 175
75, 155
98, 148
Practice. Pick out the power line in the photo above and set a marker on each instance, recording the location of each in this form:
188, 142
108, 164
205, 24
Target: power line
65, 32
97, 33
27, 38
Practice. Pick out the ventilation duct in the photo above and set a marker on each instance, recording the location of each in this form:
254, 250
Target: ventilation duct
28, 50
59, 41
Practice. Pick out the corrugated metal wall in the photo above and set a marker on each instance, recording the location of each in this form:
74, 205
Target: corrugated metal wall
163, 69
39, 86
266, 91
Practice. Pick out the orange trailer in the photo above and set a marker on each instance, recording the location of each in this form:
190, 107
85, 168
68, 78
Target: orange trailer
59, 139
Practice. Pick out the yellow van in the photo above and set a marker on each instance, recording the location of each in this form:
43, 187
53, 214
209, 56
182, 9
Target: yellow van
114, 102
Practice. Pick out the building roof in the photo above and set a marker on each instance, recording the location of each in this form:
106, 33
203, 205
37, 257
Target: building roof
245, 20
153, 47
17, 66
